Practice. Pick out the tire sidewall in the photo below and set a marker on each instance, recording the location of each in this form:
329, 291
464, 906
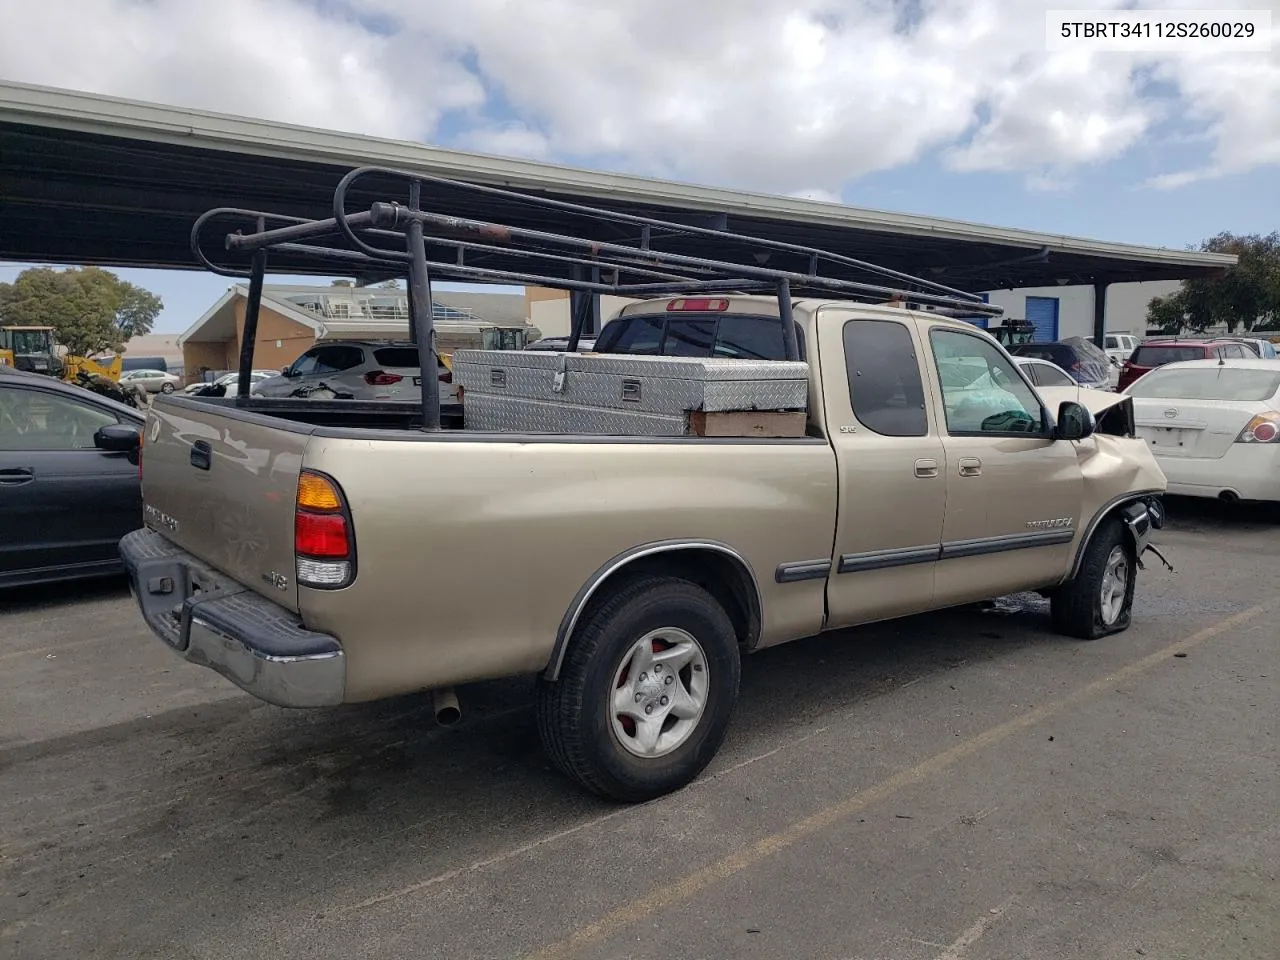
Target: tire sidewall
1116, 536
679, 605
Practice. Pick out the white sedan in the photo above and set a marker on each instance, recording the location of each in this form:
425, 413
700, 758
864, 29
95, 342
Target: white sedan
230, 382
152, 381
1213, 426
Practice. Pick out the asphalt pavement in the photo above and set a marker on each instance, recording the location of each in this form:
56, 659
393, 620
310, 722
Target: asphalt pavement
959, 785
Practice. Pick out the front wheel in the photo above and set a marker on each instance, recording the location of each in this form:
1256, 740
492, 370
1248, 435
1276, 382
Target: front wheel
645, 693
1099, 601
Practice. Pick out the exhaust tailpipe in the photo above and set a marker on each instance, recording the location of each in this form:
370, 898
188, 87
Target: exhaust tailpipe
445, 703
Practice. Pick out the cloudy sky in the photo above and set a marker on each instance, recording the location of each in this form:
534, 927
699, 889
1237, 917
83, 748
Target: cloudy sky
953, 108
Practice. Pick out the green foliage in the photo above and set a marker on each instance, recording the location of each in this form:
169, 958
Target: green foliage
1247, 297
91, 309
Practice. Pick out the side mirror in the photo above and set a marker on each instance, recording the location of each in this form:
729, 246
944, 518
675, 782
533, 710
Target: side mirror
1075, 422
284, 371
118, 438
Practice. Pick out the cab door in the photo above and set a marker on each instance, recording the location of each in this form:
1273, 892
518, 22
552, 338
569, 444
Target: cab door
1013, 492
891, 467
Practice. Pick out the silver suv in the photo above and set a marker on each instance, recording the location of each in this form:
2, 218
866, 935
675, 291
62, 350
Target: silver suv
357, 369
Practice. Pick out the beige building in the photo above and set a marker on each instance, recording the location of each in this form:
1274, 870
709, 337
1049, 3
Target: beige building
293, 318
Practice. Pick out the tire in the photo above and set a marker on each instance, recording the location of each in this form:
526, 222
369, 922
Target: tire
1088, 607
166, 387
596, 734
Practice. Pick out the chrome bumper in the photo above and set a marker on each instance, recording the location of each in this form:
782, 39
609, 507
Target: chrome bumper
216, 622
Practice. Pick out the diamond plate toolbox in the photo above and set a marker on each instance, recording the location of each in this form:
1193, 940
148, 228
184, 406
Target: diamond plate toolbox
653, 394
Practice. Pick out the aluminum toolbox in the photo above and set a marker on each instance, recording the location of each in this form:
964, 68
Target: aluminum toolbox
535, 391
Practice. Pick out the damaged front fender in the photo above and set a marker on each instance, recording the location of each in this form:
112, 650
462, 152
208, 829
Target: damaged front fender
1121, 476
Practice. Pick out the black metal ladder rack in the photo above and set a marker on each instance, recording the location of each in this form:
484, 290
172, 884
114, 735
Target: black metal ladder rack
393, 237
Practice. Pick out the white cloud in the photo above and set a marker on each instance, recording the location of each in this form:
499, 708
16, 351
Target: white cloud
793, 96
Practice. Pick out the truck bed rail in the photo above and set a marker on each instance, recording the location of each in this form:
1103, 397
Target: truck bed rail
611, 252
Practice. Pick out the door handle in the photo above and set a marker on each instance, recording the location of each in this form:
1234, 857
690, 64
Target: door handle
16, 476
926, 468
970, 467
201, 455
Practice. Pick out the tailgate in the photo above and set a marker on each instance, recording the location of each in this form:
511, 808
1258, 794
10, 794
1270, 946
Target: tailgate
223, 489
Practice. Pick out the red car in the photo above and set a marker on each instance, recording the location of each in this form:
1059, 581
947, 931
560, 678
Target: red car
1156, 353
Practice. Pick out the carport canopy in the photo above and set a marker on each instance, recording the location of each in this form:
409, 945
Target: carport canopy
88, 179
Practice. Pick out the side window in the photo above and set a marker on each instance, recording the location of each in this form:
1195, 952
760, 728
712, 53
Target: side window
885, 388
1113, 343
337, 358
1047, 376
33, 420
305, 364
981, 391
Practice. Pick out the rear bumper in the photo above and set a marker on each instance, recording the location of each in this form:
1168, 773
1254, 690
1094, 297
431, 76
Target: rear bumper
216, 622
1248, 471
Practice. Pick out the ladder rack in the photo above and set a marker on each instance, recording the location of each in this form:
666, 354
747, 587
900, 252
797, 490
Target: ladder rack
608, 252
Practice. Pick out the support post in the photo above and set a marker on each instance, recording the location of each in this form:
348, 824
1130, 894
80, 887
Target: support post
249, 336
422, 320
580, 311
595, 304
1100, 314
790, 343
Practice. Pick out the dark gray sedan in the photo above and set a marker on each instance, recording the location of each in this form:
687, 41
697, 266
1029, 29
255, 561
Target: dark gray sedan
69, 480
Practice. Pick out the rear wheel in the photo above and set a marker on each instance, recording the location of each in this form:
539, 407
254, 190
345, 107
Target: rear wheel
166, 387
1099, 601
645, 692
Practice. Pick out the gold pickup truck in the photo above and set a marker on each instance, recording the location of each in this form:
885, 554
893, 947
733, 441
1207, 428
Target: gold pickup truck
316, 565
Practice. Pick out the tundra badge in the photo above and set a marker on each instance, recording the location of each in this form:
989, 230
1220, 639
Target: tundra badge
1061, 523
166, 521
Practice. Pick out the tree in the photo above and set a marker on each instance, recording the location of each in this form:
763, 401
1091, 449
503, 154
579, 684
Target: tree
137, 312
1247, 296
90, 309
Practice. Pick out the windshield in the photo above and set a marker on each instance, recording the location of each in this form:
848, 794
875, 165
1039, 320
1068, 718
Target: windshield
1158, 356
1208, 383
32, 341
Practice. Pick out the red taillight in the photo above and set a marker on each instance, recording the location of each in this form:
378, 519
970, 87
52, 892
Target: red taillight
699, 304
446, 377
321, 535
380, 378
322, 538
1264, 428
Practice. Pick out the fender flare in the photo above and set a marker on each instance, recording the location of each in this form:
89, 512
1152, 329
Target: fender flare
569, 621
1139, 522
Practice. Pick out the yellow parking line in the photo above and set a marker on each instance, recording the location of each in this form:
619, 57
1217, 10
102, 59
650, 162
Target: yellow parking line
693, 883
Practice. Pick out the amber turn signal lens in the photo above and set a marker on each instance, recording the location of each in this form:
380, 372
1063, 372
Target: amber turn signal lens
317, 493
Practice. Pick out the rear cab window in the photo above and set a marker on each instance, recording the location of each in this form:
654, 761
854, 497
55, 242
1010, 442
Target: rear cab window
728, 335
